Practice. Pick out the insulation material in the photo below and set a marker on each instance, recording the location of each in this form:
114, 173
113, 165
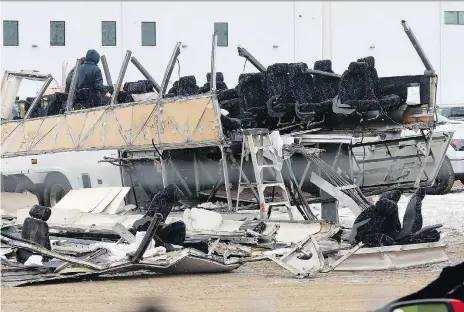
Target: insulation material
202, 220
119, 252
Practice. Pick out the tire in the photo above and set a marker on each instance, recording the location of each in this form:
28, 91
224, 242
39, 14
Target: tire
56, 187
444, 180
27, 186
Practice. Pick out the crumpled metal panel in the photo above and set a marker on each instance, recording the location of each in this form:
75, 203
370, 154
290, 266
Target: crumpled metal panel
393, 257
182, 121
186, 261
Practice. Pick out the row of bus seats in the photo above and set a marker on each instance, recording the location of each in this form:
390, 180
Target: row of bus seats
55, 104
287, 92
284, 93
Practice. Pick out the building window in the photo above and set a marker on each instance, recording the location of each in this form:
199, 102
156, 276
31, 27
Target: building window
148, 34
454, 17
461, 17
10, 33
222, 32
57, 34
86, 180
109, 34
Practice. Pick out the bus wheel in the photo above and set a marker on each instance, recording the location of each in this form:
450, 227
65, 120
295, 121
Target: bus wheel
56, 187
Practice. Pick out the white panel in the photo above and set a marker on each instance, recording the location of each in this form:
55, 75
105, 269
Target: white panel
308, 32
359, 25
252, 25
452, 46
83, 32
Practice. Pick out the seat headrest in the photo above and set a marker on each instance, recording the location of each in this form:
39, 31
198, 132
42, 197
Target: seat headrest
189, 80
323, 65
358, 67
369, 60
219, 77
249, 77
298, 68
279, 68
40, 212
386, 207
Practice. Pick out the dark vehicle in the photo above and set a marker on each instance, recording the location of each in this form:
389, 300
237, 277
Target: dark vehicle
453, 112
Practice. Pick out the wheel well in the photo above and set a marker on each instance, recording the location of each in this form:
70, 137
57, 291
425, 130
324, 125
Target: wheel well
55, 177
21, 178
9, 183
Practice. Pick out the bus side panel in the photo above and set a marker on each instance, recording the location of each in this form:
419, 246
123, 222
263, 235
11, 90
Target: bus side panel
70, 164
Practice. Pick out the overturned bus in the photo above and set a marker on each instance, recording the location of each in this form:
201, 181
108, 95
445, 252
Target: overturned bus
145, 136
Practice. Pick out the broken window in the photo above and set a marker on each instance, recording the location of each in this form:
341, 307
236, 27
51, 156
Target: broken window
10, 33
222, 32
148, 34
109, 34
451, 18
57, 34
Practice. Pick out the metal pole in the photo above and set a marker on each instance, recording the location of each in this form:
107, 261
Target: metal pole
196, 173
122, 72
244, 53
145, 73
63, 73
164, 86
72, 87
326, 30
213, 64
169, 69
106, 70
424, 163
39, 96
154, 224
322, 73
225, 172
417, 46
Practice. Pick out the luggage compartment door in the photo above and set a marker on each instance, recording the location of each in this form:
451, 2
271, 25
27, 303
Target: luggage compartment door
397, 162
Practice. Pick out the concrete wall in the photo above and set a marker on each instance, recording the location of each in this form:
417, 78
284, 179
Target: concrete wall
272, 31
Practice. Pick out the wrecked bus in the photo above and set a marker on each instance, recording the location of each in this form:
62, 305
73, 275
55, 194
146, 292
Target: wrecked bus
183, 135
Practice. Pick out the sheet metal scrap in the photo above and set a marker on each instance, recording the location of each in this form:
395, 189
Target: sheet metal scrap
73, 268
178, 262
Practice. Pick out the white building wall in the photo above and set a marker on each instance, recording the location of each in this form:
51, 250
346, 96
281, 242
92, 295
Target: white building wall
272, 31
452, 57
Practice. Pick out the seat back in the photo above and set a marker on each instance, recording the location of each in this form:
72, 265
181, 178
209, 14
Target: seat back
372, 72
251, 90
138, 87
187, 86
56, 103
355, 84
301, 83
325, 87
220, 84
278, 82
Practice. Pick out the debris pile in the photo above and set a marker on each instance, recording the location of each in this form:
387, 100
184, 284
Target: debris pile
202, 240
